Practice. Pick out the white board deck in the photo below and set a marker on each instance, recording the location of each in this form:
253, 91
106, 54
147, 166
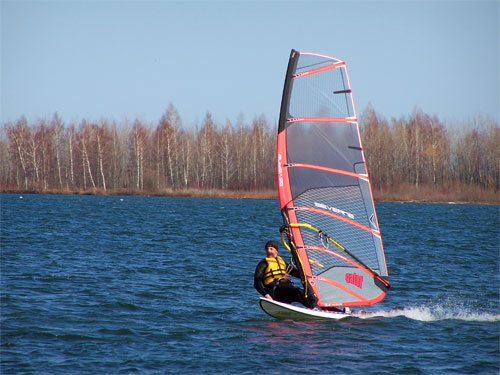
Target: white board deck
280, 310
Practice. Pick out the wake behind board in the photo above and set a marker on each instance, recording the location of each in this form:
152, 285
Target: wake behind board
280, 310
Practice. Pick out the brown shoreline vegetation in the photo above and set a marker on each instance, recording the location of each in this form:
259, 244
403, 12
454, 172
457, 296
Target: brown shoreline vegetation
182, 193
410, 159
466, 195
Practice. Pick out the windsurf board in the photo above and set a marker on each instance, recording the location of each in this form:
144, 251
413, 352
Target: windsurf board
280, 310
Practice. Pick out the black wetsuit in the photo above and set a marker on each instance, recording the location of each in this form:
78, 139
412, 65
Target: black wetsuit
281, 290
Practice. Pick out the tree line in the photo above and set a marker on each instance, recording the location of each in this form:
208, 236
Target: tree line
49, 155
137, 157
420, 150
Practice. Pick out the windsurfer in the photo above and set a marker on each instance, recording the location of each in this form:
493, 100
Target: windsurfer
272, 279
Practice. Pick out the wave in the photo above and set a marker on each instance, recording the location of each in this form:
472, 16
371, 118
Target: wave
433, 313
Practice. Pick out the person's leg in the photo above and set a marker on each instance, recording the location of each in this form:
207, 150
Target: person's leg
289, 294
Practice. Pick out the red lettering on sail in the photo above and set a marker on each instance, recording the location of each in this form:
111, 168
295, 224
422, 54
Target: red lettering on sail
352, 278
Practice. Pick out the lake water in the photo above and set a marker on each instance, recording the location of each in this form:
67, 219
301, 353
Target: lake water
149, 285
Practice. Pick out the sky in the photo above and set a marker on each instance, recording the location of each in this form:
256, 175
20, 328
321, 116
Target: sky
127, 60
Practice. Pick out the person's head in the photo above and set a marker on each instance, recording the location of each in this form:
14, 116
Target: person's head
271, 249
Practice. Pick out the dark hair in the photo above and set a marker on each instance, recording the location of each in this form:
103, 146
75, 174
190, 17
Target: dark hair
271, 244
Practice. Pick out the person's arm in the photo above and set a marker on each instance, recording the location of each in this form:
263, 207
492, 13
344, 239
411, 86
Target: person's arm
258, 280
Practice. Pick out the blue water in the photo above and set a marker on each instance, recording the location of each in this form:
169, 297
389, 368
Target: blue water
123, 285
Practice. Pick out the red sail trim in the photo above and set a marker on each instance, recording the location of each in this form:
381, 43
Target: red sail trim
340, 286
318, 70
331, 214
322, 119
321, 55
326, 169
334, 253
372, 301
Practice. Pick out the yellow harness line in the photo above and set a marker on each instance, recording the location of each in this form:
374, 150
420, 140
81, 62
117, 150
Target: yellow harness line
296, 225
312, 261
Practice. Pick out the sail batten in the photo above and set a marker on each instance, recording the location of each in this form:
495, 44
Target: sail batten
337, 217
332, 170
322, 119
324, 187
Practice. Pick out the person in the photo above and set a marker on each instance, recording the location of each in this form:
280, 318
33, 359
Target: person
272, 279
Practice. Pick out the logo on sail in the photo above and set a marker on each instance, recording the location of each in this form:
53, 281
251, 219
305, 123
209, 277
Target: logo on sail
334, 209
352, 278
280, 170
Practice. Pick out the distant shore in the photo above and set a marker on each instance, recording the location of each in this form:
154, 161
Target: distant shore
409, 194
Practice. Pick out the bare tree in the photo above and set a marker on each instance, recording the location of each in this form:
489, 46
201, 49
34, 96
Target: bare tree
206, 151
138, 140
86, 135
166, 140
58, 130
18, 136
226, 150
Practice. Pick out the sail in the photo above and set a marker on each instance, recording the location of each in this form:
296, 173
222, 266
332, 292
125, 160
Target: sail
324, 189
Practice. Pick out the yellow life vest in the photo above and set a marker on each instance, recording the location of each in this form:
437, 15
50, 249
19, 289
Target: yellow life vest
276, 268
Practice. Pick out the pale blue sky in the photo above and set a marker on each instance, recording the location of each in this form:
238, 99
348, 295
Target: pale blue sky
125, 60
